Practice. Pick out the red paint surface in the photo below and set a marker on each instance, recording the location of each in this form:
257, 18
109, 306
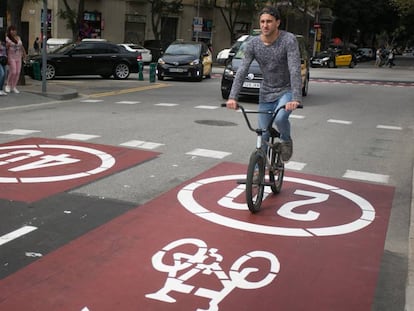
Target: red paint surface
33, 191
111, 269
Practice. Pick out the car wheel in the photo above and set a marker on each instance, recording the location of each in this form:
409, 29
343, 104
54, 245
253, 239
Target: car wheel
50, 71
121, 71
225, 94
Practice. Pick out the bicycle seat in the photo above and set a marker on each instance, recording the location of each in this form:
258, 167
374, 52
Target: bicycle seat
273, 132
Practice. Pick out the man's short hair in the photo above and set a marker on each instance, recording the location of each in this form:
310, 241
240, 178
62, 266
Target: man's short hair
271, 11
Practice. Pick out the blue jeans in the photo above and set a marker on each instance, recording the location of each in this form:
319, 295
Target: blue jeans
2, 76
282, 119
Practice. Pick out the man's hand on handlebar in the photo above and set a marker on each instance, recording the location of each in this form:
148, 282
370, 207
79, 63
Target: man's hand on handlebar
292, 105
231, 104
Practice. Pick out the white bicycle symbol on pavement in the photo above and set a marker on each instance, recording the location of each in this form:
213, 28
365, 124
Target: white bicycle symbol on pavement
195, 263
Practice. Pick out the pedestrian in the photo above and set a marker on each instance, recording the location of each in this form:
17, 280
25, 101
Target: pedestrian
3, 64
378, 54
391, 56
277, 53
16, 53
36, 46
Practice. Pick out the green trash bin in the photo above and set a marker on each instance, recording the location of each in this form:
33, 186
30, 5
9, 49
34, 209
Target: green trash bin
36, 71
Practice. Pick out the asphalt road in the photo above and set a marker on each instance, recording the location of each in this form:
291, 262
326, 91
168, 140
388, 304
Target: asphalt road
355, 120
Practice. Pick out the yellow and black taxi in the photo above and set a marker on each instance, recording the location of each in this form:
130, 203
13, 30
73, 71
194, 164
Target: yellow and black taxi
334, 58
252, 82
185, 59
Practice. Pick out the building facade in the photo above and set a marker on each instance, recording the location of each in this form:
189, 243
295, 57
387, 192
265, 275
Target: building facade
131, 21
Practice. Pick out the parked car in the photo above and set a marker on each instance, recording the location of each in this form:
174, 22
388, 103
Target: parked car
334, 58
185, 59
224, 54
254, 77
133, 47
88, 58
365, 54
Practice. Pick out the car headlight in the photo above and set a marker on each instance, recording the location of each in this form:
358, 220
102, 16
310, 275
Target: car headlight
325, 59
195, 62
161, 61
229, 73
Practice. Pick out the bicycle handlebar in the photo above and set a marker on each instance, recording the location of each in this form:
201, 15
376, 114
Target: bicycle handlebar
269, 126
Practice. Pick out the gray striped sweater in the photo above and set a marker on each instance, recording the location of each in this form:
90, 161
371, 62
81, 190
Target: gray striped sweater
280, 66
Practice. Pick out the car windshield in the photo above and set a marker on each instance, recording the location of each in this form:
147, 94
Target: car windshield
63, 49
242, 48
180, 49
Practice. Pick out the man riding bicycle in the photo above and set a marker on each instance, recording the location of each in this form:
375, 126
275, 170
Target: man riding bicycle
277, 53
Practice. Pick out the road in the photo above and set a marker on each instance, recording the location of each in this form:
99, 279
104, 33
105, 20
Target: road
354, 128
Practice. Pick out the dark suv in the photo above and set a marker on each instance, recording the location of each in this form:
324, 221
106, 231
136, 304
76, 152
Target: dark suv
88, 58
254, 77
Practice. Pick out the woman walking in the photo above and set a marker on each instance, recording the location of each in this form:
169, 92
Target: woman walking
16, 53
3, 64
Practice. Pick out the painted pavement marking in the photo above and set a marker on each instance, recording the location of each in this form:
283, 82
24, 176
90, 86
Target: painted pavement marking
16, 234
339, 121
389, 127
141, 144
131, 90
19, 132
206, 107
166, 105
209, 153
91, 100
366, 176
296, 166
127, 102
78, 136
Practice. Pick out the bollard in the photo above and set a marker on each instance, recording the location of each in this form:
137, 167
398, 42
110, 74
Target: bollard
36, 71
140, 70
152, 72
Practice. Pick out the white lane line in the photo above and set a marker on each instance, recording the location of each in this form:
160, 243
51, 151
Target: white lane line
366, 176
127, 102
339, 121
19, 132
206, 107
91, 100
389, 127
16, 234
209, 153
76, 136
166, 104
296, 116
141, 144
296, 166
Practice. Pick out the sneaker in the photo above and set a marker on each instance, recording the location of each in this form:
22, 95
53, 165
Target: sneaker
7, 89
287, 150
2, 93
16, 91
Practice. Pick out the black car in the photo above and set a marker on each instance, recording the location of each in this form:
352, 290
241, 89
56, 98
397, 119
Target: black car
253, 80
185, 59
88, 58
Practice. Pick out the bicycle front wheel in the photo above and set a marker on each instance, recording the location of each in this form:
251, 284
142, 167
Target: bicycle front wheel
255, 181
276, 172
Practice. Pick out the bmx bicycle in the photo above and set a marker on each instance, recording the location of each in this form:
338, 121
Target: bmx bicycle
263, 160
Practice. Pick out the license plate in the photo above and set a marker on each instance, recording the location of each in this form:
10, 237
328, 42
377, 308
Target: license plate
177, 70
252, 85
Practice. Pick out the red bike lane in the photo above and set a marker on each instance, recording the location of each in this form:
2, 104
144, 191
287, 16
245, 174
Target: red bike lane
315, 246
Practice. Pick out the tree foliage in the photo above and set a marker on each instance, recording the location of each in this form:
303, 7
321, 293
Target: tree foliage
73, 17
160, 9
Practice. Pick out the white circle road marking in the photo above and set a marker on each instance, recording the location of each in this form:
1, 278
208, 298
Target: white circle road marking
186, 198
107, 161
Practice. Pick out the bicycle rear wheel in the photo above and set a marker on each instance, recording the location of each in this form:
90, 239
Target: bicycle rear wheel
255, 181
277, 172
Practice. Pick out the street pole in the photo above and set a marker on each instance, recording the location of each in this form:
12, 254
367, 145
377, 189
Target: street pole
198, 16
316, 30
44, 46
